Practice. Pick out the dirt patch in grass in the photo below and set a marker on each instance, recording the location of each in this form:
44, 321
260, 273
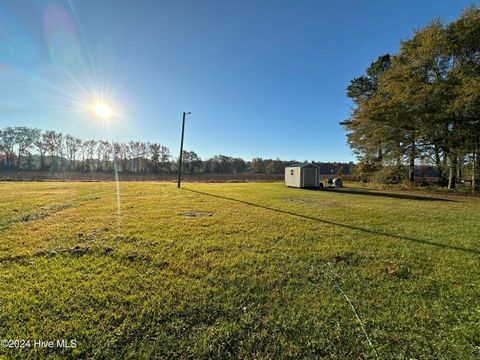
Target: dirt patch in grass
348, 258
42, 213
403, 272
93, 234
91, 198
76, 251
194, 214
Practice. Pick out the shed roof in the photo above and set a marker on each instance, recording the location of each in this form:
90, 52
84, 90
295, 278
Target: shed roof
302, 166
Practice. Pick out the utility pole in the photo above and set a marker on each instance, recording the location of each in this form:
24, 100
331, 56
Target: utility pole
181, 151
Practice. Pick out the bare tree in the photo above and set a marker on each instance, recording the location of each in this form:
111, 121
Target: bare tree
90, 152
136, 150
154, 152
164, 157
42, 149
24, 138
73, 145
100, 151
107, 151
7, 144
53, 145
83, 151
70, 153
142, 155
121, 152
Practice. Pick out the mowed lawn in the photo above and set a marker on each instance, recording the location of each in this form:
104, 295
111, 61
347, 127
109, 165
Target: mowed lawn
251, 270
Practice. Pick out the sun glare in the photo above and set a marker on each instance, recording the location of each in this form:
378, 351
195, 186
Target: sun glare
102, 110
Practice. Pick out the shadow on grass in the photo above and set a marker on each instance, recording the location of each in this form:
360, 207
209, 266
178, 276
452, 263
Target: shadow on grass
346, 226
358, 191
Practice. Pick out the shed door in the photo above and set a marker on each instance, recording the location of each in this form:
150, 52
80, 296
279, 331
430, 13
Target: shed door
310, 177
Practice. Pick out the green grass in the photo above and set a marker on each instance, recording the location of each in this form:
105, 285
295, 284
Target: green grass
253, 270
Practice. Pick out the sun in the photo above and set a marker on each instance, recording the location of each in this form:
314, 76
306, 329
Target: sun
102, 110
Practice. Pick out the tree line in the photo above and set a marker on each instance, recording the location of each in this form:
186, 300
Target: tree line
421, 105
24, 148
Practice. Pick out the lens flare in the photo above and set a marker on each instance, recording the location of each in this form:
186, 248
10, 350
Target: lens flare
60, 75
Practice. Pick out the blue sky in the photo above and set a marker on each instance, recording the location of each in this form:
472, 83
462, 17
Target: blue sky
262, 78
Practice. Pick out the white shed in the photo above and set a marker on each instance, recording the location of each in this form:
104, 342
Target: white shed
302, 176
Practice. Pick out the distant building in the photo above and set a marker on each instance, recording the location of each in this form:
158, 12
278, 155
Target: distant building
302, 176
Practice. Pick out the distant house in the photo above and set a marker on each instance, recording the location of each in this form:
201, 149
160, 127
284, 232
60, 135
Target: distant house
302, 176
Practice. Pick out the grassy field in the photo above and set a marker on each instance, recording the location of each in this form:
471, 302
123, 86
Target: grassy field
238, 271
